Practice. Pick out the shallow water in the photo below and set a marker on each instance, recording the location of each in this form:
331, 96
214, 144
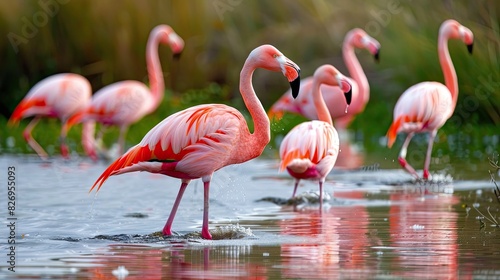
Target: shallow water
378, 223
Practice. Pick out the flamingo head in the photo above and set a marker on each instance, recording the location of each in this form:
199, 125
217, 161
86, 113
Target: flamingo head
454, 30
176, 43
329, 75
167, 36
359, 39
270, 58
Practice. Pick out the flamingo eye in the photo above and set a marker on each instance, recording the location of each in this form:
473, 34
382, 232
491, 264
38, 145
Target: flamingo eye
275, 55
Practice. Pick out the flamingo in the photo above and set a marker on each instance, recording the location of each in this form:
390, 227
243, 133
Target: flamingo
125, 102
58, 96
304, 104
426, 106
196, 142
310, 149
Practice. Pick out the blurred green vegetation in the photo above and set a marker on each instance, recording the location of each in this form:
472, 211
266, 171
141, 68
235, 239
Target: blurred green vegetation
105, 41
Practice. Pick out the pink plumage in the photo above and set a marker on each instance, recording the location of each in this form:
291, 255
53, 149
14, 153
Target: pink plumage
333, 96
310, 149
126, 102
426, 106
196, 142
58, 96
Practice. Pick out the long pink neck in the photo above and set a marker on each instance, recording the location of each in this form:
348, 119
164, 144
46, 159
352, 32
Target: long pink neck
357, 74
319, 103
155, 73
450, 76
262, 129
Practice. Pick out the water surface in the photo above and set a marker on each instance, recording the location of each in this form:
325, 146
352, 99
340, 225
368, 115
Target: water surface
378, 223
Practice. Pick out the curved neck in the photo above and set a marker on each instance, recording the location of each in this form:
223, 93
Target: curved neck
262, 128
319, 103
155, 74
450, 76
357, 74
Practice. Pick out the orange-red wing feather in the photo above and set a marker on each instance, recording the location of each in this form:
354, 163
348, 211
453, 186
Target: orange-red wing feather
392, 133
23, 106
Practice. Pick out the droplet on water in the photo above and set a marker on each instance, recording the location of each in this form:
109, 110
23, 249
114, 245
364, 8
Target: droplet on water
121, 272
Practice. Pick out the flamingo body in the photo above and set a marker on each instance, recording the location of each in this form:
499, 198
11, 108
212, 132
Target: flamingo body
175, 146
310, 149
121, 103
196, 142
425, 107
333, 95
58, 96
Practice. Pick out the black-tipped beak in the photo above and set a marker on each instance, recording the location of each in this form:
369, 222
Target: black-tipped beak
348, 96
377, 56
295, 85
469, 47
177, 56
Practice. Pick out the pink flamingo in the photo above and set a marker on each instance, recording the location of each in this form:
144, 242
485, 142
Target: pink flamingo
304, 104
426, 106
197, 141
310, 149
58, 96
124, 103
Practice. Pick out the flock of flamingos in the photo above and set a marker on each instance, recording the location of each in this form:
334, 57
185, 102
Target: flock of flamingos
196, 142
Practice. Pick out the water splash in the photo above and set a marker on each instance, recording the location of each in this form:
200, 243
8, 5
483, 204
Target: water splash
346, 107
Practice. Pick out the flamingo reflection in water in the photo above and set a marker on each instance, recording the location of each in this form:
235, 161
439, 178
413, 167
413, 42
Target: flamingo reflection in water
335, 241
176, 262
423, 234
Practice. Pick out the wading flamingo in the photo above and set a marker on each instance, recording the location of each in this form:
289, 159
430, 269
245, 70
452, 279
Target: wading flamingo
426, 106
58, 96
124, 103
196, 142
310, 149
304, 104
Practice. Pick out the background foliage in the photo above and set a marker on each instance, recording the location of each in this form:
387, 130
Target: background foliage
105, 42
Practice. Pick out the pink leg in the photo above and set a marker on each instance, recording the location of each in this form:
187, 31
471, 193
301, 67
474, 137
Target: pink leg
33, 144
62, 140
121, 139
295, 187
427, 163
402, 156
167, 229
99, 140
321, 194
204, 228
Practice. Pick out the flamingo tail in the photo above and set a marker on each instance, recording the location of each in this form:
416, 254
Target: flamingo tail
296, 159
74, 119
275, 114
21, 109
133, 156
392, 133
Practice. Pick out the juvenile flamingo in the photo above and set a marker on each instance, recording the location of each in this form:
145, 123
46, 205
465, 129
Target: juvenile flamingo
196, 142
310, 149
304, 104
58, 96
426, 106
124, 103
